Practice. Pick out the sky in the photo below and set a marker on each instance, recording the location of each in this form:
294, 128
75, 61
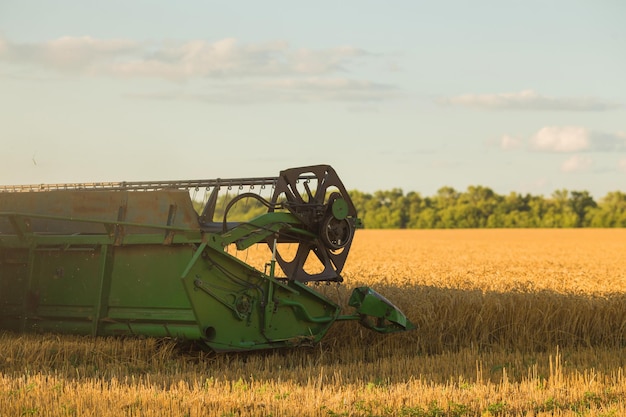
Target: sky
518, 96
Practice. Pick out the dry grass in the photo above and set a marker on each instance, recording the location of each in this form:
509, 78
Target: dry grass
511, 322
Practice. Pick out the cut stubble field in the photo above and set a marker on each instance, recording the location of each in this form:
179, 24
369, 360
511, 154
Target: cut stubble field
509, 322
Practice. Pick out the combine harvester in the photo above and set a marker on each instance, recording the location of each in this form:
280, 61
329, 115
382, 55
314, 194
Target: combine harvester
135, 258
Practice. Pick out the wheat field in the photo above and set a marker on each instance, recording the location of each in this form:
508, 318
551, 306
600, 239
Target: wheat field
510, 322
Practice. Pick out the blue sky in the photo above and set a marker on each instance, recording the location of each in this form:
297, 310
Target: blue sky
518, 96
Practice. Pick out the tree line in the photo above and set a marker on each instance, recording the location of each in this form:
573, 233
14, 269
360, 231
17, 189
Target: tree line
477, 207
481, 207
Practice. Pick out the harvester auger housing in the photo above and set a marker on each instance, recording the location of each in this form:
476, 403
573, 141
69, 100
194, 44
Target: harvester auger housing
135, 258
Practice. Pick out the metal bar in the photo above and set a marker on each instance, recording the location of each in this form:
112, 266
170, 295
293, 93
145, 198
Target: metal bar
305, 313
140, 185
102, 303
194, 259
145, 185
20, 225
29, 303
64, 241
17, 215
198, 283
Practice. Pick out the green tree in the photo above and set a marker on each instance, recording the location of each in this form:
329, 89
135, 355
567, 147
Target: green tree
414, 206
445, 204
386, 210
581, 203
476, 206
360, 201
512, 210
558, 211
610, 212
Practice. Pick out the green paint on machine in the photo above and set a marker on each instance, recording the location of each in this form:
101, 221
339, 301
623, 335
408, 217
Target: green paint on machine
130, 258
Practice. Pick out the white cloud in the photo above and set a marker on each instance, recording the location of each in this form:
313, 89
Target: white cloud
529, 100
70, 54
291, 90
322, 89
560, 139
178, 60
244, 72
575, 139
198, 59
308, 61
508, 142
576, 163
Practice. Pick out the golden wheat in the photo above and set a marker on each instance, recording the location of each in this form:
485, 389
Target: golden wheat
511, 322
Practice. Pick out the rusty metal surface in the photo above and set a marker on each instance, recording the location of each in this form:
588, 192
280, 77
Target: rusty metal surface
96, 208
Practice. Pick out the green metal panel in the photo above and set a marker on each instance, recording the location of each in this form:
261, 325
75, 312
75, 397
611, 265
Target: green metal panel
240, 308
149, 276
14, 267
66, 278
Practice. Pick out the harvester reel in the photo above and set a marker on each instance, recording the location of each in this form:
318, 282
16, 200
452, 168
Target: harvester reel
316, 195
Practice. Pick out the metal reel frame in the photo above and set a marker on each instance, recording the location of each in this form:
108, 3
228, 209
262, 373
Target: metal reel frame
326, 211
